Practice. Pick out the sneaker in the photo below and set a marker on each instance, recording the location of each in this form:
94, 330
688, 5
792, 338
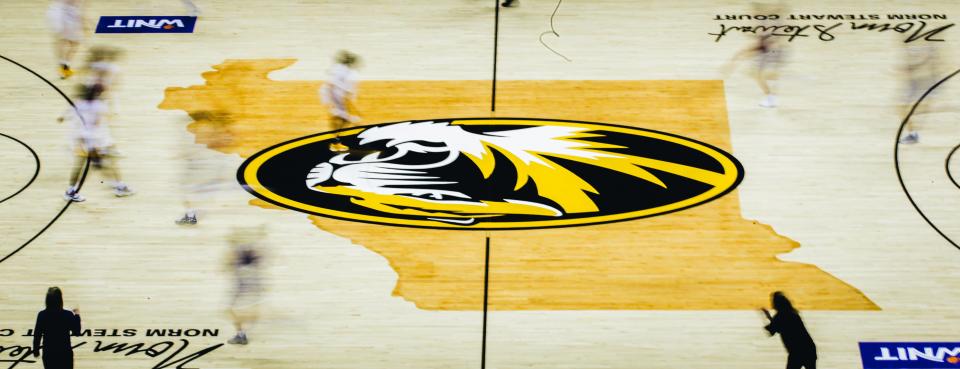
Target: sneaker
186, 220
510, 3
122, 191
73, 196
339, 147
238, 340
910, 138
769, 102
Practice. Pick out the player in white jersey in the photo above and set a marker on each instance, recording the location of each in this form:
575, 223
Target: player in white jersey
91, 140
102, 67
102, 70
339, 92
204, 175
768, 55
66, 21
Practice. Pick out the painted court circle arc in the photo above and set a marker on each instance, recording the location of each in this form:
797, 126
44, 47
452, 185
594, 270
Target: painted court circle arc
36, 169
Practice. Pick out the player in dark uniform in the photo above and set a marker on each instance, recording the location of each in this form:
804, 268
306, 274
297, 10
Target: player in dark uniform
245, 262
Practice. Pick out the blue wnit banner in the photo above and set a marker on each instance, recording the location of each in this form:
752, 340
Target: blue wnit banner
146, 24
910, 355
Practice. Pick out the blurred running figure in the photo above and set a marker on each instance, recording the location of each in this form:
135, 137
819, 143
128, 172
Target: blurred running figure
102, 68
66, 21
244, 261
920, 73
801, 351
91, 139
339, 93
768, 55
204, 174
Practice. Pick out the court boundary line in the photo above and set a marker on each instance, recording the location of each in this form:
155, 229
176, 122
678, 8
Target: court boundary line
896, 157
36, 171
83, 175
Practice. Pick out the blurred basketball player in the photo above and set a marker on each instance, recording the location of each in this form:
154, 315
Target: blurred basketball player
204, 173
244, 261
920, 73
101, 68
91, 139
767, 54
66, 20
339, 92
801, 351
53, 329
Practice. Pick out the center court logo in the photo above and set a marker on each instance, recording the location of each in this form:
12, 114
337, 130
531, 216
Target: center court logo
146, 24
910, 355
497, 173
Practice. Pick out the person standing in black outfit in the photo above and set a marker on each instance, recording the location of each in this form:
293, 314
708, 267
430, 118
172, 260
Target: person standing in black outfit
801, 351
54, 327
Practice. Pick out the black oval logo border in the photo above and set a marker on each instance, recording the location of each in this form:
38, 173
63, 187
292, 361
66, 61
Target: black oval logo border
241, 172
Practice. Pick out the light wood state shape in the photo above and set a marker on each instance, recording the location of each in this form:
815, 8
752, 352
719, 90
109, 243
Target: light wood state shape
707, 257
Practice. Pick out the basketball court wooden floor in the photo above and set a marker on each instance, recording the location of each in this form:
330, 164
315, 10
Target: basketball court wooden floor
814, 198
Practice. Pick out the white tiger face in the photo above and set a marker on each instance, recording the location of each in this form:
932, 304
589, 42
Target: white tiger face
409, 176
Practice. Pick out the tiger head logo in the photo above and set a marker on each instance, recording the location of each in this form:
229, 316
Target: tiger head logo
499, 173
